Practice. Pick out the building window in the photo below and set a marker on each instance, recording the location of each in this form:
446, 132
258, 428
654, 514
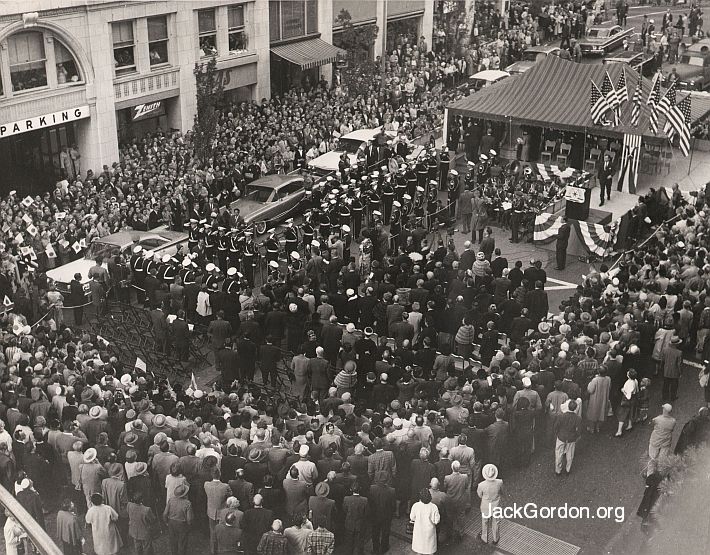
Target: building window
237, 35
208, 32
158, 40
124, 58
67, 69
292, 18
28, 69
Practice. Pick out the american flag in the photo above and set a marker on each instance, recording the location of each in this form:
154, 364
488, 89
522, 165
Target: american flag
667, 107
636, 104
609, 93
597, 105
684, 131
622, 94
654, 98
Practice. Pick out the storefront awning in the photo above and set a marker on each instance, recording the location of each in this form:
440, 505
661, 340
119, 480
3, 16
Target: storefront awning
309, 53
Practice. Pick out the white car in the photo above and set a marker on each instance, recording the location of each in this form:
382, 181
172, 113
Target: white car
350, 143
486, 78
157, 240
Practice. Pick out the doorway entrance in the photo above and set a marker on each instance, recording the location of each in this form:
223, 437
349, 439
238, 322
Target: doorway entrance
30, 161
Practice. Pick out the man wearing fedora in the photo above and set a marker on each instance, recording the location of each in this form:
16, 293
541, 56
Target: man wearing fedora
320, 507
179, 517
489, 491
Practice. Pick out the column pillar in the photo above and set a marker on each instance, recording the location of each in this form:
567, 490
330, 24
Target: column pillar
380, 22
259, 40
426, 28
325, 26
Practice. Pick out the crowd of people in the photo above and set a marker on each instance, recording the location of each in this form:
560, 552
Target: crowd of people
418, 374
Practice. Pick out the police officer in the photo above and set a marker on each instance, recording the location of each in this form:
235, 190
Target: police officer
193, 235
356, 208
387, 193
422, 173
347, 238
136, 263
272, 247
482, 169
433, 166
250, 257
454, 190
395, 224
324, 224
186, 273
291, 236
231, 284
432, 204
212, 278
169, 271
444, 164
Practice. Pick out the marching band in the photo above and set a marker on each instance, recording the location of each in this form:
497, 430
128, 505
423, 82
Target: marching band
342, 208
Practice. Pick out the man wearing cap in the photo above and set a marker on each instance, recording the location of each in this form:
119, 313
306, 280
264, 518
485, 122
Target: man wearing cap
672, 359
659, 444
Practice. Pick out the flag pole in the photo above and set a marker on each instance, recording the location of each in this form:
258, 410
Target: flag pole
692, 151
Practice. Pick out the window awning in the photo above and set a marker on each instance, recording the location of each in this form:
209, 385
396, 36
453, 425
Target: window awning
309, 53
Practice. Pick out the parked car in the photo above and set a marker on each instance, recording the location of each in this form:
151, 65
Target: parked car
645, 64
158, 241
604, 38
531, 56
692, 72
486, 78
270, 200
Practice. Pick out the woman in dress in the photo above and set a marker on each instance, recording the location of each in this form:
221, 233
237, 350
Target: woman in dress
629, 393
425, 516
598, 389
104, 529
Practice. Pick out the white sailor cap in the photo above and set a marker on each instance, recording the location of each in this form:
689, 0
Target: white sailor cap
407, 196
210, 267
376, 213
345, 228
329, 178
484, 157
231, 271
273, 264
454, 172
315, 243
492, 152
166, 258
295, 255
469, 163
375, 174
186, 262
420, 189
137, 249
433, 182
397, 204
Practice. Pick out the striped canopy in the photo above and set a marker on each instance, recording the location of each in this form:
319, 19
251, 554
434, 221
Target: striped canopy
308, 53
555, 93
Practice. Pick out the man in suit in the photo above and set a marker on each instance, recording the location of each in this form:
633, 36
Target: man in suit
537, 303
331, 335
605, 175
561, 245
219, 331
76, 298
383, 502
226, 536
354, 512
269, 356
180, 332
255, 523
498, 434
217, 493
160, 329
381, 461
568, 429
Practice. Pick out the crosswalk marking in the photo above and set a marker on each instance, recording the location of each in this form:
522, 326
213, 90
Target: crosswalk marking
560, 285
